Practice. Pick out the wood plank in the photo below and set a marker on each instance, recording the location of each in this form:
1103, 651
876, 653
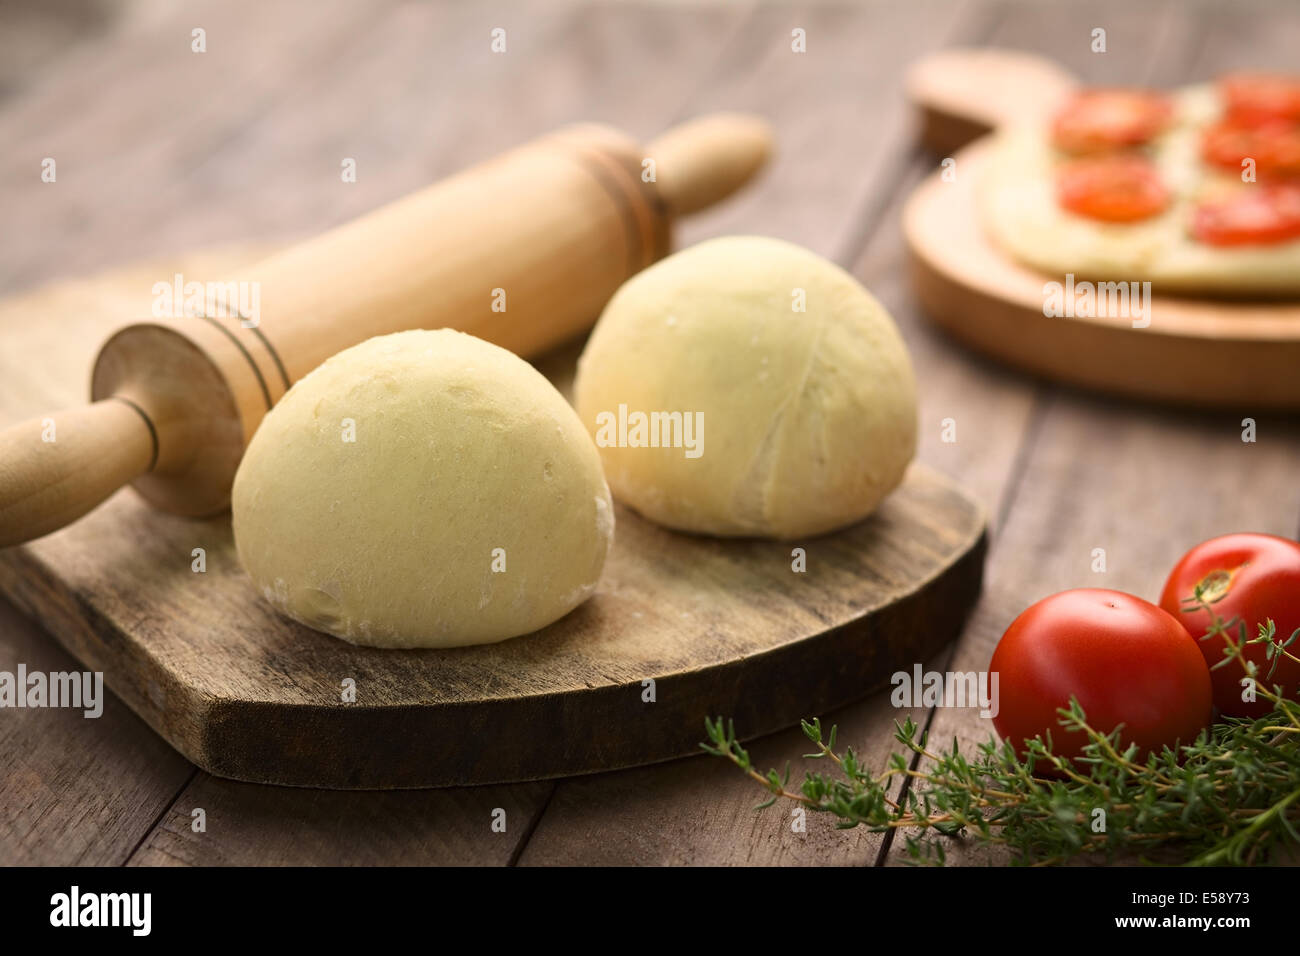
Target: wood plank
700, 811
248, 694
992, 411
605, 79
967, 455
75, 790
1143, 483
1249, 36
1145, 489
1063, 35
125, 120
251, 825
843, 129
90, 224
974, 417
38, 36
258, 151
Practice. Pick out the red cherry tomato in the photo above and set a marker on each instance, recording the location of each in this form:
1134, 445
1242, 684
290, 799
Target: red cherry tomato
1256, 215
1250, 577
1274, 145
1252, 97
1104, 119
1124, 659
1111, 188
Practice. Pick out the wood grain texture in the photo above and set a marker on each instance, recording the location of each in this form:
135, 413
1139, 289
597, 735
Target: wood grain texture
250, 825
583, 61
407, 89
700, 812
133, 123
844, 131
1170, 480
975, 419
37, 36
75, 790
1143, 483
257, 163
145, 145
246, 694
713, 623
824, 190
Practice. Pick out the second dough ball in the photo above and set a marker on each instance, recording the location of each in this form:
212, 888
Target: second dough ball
746, 386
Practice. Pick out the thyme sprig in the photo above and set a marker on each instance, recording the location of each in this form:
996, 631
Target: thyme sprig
1230, 797
1208, 593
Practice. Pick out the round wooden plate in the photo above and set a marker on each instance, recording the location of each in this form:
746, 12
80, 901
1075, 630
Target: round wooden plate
1199, 352
681, 627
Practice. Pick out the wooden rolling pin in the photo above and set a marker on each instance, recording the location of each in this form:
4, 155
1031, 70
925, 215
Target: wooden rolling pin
556, 226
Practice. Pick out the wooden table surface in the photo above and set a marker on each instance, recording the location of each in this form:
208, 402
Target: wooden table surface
160, 149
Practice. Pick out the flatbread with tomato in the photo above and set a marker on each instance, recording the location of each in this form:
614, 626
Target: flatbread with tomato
1195, 191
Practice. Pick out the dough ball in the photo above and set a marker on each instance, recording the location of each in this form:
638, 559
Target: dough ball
802, 421
423, 489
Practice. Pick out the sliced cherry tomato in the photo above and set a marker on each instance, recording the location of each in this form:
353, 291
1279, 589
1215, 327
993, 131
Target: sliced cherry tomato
1099, 120
1249, 578
1121, 188
1255, 215
1125, 660
1254, 97
1274, 145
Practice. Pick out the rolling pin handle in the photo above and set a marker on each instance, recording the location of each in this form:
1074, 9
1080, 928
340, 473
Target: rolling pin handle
706, 160
57, 467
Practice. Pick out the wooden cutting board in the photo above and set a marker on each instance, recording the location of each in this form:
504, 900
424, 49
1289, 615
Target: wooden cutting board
1203, 352
719, 627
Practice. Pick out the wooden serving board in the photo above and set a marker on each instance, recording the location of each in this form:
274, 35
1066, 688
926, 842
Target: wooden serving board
1202, 352
721, 627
